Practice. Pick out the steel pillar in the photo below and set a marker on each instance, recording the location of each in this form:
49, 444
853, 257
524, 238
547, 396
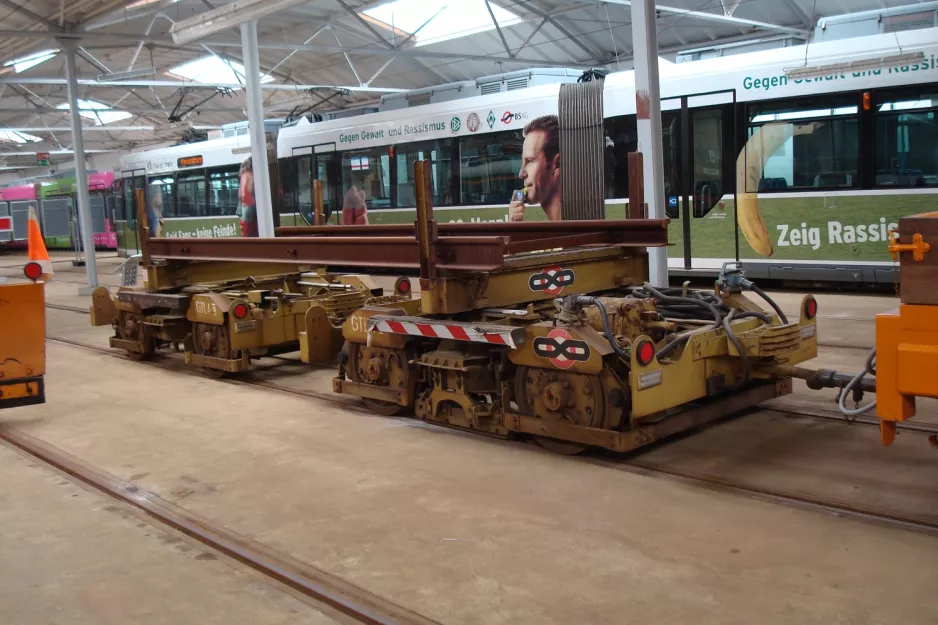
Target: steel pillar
252, 71
648, 114
81, 173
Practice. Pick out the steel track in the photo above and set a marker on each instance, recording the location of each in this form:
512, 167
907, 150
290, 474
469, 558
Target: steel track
635, 465
834, 508
356, 603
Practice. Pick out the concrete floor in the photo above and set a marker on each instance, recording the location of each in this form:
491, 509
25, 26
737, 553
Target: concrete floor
68, 556
462, 528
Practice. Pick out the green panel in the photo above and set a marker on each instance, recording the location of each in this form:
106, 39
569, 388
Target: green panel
825, 228
201, 228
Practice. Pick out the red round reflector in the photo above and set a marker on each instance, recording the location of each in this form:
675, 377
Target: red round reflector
33, 271
240, 310
402, 286
645, 352
810, 308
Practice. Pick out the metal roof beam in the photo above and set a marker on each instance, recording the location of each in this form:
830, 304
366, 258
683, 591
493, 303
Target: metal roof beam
415, 53
527, 40
591, 54
498, 29
178, 84
366, 24
713, 17
30, 14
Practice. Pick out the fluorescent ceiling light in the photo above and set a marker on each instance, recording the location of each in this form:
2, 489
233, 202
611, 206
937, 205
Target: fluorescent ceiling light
859, 65
454, 20
101, 113
24, 63
229, 16
213, 70
12, 136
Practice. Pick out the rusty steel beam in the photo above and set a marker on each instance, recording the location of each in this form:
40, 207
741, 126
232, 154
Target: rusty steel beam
453, 253
643, 232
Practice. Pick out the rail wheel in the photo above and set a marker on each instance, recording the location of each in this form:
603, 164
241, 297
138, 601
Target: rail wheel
560, 397
379, 366
130, 327
214, 341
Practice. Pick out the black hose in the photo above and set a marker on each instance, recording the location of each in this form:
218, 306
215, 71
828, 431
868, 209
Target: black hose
717, 317
739, 347
762, 294
610, 335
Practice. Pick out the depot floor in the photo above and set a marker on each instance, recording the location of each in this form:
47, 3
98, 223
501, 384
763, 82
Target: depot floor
459, 528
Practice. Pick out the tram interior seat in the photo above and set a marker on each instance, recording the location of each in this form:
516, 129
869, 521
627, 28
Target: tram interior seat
772, 184
833, 179
901, 178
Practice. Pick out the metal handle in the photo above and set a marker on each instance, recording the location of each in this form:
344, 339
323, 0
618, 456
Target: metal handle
918, 246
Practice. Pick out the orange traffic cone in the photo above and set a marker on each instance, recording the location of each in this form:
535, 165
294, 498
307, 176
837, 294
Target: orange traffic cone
37, 246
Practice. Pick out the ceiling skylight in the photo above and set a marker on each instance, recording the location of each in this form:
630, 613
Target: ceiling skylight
11, 136
454, 18
24, 63
212, 70
102, 113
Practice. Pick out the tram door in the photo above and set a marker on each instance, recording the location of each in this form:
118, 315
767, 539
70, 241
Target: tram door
329, 172
127, 240
699, 172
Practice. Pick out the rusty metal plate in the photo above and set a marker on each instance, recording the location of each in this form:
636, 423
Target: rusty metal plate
154, 300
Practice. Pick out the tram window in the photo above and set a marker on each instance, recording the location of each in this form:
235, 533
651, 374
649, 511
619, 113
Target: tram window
621, 138
190, 195
223, 191
167, 206
439, 153
489, 167
906, 136
807, 143
288, 188
369, 172
126, 208
304, 185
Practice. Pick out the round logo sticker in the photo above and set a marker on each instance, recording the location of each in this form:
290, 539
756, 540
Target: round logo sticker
473, 122
561, 348
454, 124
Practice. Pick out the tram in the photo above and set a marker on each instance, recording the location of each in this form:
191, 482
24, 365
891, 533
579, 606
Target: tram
798, 176
56, 201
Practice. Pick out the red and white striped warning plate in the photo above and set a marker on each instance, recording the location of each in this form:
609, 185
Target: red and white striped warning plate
490, 333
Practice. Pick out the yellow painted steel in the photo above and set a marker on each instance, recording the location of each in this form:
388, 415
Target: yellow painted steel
22, 344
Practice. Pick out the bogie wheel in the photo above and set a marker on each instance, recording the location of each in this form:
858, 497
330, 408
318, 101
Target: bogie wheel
130, 327
563, 448
560, 397
214, 341
361, 368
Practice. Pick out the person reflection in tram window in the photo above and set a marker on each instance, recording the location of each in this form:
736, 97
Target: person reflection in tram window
155, 210
354, 205
247, 208
540, 169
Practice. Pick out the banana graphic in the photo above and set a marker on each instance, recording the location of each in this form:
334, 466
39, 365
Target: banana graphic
749, 166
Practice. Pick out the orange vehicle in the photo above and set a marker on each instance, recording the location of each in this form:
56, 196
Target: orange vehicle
23, 327
23, 340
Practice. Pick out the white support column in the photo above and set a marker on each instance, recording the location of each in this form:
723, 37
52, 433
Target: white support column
252, 70
648, 113
81, 173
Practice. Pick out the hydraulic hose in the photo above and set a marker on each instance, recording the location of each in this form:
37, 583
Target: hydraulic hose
739, 346
586, 300
755, 288
868, 368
